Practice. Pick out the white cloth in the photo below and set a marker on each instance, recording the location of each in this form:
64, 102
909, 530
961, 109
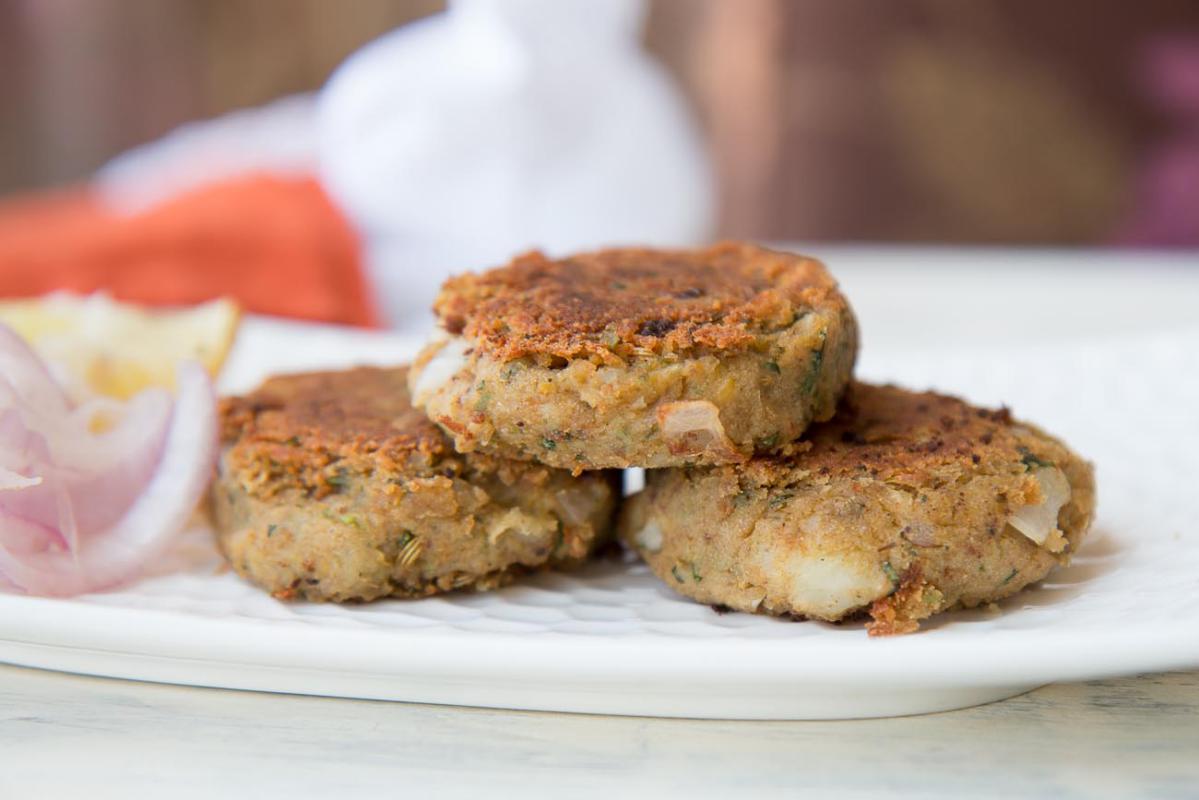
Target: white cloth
457, 141
279, 137
505, 125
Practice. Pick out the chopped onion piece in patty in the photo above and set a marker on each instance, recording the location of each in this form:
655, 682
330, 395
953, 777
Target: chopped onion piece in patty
1038, 521
693, 427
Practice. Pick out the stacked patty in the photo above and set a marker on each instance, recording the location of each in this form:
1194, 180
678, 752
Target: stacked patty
905, 504
638, 358
331, 486
775, 483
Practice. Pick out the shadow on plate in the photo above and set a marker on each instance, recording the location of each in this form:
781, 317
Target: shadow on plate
1100, 555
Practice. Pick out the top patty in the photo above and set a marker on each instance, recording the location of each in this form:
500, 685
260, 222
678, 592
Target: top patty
613, 304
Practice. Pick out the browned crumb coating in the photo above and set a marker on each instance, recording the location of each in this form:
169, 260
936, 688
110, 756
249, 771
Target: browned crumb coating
332, 487
638, 357
613, 303
905, 504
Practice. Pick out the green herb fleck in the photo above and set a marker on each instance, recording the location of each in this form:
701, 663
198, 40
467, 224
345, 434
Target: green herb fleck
270, 530
1015, 571
675, 572
484, 396
742, 497
511, 370
549, 444
339, 479
1030, 461
779, 500
405, 538
695, 576
772, 366
350, 519
817, 360
293, 441
767, 442
891, 574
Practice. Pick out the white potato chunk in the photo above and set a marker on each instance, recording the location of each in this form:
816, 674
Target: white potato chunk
649, 538
829, 585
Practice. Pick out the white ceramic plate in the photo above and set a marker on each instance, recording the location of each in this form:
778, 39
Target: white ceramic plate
612, 639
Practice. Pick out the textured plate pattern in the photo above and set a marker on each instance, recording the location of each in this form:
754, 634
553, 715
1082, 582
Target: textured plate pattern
611, 638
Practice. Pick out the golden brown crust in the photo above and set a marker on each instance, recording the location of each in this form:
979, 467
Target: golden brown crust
615, 303
362, 409
892, 434
331, 487
904, 505
313, 429
902, 611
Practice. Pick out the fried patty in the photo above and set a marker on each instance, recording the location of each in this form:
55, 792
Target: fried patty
904, 505
331, 486
637, 357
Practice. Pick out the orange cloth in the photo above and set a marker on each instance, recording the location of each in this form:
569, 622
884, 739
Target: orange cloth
276, 245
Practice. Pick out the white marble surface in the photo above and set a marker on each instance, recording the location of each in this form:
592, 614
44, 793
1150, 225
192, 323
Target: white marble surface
66, 736
69, 736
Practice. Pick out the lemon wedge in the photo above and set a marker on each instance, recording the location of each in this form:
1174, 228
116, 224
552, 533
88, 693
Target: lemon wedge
97, 345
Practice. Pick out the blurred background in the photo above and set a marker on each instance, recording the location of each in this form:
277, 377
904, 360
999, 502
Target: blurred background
1044, 122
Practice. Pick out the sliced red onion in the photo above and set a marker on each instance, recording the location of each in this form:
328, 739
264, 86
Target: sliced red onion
23, 538
108, 502
23, 369
15, 480
98, 475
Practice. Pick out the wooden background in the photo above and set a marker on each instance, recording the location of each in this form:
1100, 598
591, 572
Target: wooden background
906, 120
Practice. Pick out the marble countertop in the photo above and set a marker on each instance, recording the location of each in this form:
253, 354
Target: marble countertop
66, 735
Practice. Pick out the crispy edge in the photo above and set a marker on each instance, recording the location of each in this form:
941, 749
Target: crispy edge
615, 304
